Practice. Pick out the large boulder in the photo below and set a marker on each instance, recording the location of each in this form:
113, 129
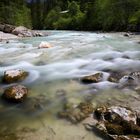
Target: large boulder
12, 76
95, 78
22, 31
116, 122
15, 93
6, 28
1, 27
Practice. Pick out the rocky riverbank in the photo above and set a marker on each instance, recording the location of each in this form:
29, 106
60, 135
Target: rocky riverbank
7, 36
12, 32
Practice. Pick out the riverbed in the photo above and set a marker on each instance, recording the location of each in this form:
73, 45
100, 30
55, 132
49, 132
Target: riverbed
54, 77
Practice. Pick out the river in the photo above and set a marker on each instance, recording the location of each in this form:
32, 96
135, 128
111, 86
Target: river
55, 72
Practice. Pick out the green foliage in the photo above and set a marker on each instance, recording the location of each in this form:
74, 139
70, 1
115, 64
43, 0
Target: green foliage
74, 8
62, 23
72, 19
52, 17
15, 14
22, 17
111, 14
135, 18
108, 15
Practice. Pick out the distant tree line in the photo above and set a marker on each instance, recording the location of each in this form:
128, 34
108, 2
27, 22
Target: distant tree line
106, 15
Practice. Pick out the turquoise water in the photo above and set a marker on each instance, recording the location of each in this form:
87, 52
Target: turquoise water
54, 75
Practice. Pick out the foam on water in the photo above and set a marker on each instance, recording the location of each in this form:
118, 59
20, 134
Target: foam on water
132, 54
27, 56
8, 50
33, 76
19, 65
104, 85
124, 64
106, 55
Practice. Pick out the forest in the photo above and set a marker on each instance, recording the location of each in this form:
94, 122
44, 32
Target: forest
90, 15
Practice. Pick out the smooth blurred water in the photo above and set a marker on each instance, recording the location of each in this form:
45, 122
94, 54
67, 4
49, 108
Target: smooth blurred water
55, 71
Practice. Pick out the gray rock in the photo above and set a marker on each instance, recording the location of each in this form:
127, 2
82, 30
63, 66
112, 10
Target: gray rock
6, 28
22, 31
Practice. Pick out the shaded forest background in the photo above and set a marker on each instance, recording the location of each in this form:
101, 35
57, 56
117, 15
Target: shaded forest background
105, 15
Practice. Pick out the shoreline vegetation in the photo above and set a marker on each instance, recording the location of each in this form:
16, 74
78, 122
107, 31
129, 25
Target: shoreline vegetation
94, 15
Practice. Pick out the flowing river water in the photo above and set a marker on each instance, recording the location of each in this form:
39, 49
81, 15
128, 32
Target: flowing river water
54, 75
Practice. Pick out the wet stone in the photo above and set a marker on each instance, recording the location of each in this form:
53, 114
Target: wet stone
118, 123
12, 76
126, 35
44, 44
131, 80
16, 93
115, 76
95, 78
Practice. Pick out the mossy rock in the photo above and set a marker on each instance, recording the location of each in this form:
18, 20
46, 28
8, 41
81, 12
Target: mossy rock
115, 76
12, 76
10, 136
86, 108
78, 113
95, 78
119, 123
114, 129
16, 93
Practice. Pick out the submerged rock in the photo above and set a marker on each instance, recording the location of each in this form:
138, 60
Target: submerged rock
12, 76
130, 80
118, 123
126, 57
15, 93
137, 89
115, 76
44, 44
78, 113
95, 78
35, 105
